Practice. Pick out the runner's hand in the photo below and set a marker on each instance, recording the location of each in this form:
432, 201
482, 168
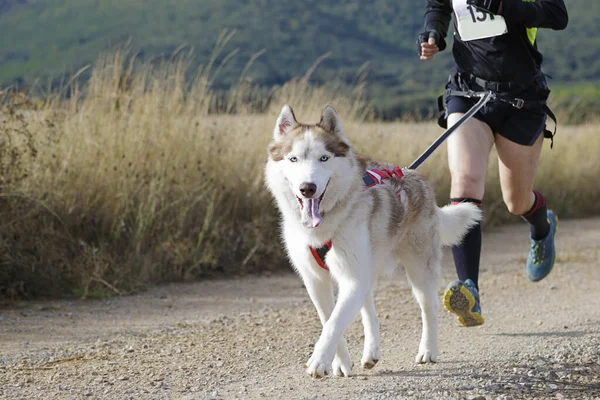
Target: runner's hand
493, 6
428, 44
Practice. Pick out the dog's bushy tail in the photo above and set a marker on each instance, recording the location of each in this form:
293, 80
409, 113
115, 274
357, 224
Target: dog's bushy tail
455, 221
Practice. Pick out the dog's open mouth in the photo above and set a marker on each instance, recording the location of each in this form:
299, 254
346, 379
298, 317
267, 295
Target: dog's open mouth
309, 210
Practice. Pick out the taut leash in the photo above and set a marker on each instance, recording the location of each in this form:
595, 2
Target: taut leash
485, 97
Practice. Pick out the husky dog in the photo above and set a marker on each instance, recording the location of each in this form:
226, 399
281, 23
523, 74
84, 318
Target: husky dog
317, 182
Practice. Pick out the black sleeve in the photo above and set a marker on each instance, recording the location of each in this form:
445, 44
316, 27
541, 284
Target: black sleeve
537, 14
437, 16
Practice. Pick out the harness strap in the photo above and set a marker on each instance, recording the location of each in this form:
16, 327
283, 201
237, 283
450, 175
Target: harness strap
319, 254
371, 178
513, 101
376, 176
494, 86
547, 133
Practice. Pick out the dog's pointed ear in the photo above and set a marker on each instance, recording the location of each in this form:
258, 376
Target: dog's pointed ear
330, 121
285, 122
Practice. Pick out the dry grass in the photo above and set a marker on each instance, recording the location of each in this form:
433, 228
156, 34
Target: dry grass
137, 180
567, 174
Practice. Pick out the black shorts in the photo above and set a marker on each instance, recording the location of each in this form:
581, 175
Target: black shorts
522, 126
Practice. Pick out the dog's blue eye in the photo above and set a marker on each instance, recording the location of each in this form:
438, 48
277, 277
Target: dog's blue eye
293, 159
324, 158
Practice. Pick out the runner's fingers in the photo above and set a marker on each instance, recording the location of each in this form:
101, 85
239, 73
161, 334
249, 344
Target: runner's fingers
427, 46
428, 50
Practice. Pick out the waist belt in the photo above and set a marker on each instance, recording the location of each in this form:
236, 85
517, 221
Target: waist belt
494, 86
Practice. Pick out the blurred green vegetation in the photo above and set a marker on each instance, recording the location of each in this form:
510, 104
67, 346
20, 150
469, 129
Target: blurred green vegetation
52, 39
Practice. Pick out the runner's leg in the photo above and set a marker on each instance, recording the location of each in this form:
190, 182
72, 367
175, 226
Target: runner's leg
517, 166
468, 152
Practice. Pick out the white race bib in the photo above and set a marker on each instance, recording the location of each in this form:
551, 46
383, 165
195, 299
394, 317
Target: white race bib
474, 23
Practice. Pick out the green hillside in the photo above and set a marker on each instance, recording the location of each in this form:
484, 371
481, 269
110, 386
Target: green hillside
51, 38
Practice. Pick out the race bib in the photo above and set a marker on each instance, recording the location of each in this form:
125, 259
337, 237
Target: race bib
474, 23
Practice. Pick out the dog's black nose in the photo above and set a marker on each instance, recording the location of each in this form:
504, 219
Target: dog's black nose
308, 190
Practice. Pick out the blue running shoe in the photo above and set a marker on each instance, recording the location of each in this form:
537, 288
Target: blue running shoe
462, 299
542, 253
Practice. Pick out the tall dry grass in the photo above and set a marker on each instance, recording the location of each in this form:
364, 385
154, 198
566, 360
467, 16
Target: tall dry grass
140, 177
145, 175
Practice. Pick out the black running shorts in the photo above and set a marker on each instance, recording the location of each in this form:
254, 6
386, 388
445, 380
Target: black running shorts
522, 126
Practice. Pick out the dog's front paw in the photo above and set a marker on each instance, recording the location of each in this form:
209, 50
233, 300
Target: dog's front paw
318, 365
342, 364
426, 356
368, 362
371, 355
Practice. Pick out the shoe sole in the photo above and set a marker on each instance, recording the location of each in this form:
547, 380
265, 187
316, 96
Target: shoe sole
539, 278
461, 302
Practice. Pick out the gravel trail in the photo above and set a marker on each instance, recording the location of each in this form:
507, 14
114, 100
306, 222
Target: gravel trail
249, 338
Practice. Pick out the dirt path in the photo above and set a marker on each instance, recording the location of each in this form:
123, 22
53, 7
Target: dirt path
249, 338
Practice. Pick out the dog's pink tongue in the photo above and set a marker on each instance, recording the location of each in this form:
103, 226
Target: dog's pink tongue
310, 213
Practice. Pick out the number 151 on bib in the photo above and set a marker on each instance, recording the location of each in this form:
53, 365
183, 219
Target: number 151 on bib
475, 23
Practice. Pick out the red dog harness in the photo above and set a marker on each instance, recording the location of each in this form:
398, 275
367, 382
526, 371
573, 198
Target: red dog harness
372, 178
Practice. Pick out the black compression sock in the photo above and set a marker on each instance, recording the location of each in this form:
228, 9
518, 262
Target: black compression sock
467, 254
537, 218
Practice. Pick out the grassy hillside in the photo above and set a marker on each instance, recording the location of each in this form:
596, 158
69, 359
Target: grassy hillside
50, 38
116, 187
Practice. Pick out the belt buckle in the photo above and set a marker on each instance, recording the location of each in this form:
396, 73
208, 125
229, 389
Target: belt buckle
493, 86
519, 103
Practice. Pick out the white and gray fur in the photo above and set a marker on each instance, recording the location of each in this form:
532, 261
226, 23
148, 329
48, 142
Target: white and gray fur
370, 229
